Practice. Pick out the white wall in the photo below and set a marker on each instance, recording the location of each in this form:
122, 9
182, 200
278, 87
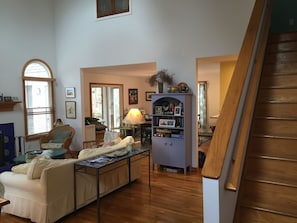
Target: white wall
27, 32
171, 32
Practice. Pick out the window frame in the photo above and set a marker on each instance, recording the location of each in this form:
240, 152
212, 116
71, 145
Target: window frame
112, 12
50, 81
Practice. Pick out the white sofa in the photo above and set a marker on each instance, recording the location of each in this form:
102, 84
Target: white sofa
43, 190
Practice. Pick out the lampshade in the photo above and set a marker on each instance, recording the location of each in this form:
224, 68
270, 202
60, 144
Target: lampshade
134, 117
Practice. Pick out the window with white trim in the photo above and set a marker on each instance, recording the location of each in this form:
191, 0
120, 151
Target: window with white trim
38, 84
112, 7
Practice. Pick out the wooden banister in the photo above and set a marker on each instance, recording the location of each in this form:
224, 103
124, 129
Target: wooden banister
223, 137
243, 136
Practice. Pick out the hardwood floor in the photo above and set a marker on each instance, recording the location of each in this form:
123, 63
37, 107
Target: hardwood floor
174, 198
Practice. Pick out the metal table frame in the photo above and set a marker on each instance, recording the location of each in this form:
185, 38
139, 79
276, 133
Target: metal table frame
81, 165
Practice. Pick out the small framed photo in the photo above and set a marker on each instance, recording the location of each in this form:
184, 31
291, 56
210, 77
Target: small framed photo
177, 110
70, 92
158, 110
148, 95
168, 123
133, 96
70, 108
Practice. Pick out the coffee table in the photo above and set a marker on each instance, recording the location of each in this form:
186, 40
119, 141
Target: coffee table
54, 154
3, 202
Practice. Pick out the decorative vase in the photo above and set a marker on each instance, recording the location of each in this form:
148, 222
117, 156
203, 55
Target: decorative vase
160, 87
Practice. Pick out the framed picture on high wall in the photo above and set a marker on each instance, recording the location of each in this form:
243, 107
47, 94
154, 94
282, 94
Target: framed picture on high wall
133, 96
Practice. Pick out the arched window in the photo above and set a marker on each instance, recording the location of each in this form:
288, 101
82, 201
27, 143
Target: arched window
38, 84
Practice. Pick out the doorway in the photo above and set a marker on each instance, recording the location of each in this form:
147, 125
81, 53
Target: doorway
213, 75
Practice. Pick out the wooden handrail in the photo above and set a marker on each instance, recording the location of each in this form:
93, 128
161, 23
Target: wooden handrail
243, 136
228, 118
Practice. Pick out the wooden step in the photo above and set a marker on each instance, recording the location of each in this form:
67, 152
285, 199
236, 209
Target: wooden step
282, 37
250, 215
275, 127
281, 57
282, 47
272, 170
279, 68
276, 110
270, 197
273, 147
279, 81
277, 96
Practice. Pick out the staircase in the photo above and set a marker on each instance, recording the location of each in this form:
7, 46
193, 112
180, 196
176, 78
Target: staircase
268, 191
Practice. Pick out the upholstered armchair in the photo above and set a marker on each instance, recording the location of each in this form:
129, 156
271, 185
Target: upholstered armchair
58, 137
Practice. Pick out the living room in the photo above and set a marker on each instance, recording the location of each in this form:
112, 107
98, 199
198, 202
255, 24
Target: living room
67, 35
70, 39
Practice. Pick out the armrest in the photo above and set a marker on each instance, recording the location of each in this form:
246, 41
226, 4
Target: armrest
58, 180
44, 139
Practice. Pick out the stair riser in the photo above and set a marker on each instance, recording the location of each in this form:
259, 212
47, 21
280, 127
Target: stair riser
282, 47
278, 95
281, 81
281, 37
279, 68
277, 110
248, 215
273, 147
269, 170
281, 57
281, 128
269, 196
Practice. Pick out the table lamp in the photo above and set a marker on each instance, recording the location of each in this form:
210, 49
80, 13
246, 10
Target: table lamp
134, 117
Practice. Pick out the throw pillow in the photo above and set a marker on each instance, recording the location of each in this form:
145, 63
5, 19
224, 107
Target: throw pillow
37, 166
21, 168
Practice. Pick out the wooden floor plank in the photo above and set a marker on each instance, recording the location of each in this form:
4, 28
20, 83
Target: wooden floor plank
174, 198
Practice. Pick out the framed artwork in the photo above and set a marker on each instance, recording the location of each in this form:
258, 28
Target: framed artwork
177, 110
158, 110
148, 95
70, 108
168, 123
133, 96
70, 92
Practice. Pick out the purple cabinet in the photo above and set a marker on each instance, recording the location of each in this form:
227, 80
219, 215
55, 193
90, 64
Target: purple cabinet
172, 130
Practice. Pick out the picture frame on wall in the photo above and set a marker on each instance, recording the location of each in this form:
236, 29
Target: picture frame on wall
70, 108
70, 92
148, 95
133, 96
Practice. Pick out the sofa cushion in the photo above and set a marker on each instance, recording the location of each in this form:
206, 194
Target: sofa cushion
87, 153
38, 164
36, 167
60, 136
51, 145
21, 168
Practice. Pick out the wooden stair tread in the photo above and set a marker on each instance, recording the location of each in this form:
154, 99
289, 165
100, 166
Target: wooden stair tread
260, 215
276, 198
269, 181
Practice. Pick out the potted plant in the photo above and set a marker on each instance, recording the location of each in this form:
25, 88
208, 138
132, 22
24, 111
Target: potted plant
160, 78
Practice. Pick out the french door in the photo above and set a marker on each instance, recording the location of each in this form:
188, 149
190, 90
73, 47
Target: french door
106, 104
